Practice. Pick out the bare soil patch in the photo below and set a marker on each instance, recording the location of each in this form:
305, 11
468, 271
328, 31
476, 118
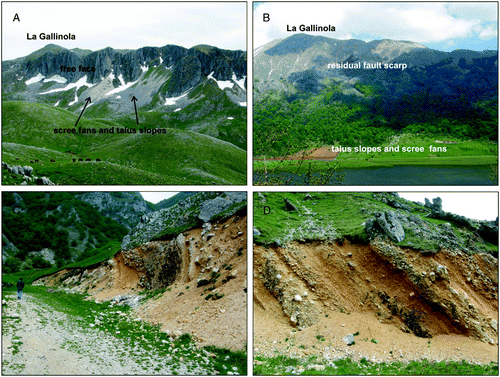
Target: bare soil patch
323, 153
344, 286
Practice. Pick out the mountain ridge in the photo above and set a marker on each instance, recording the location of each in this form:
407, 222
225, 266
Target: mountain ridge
196, 93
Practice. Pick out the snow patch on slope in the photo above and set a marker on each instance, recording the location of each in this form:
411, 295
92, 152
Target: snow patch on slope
122, 87
35, 79
241, 82
173, 100
222, 84
75, 101
77, 85
56, 78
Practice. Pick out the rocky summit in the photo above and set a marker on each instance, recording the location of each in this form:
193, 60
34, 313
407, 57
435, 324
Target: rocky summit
105, 73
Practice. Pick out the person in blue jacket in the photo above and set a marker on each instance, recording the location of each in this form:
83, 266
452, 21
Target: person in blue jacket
20, 287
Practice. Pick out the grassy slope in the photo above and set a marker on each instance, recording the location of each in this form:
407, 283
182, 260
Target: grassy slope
465, 153
279, 364
345, 212
178, 157
101, 254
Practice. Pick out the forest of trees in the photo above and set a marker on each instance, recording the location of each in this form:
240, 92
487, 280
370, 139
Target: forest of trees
285, 124
45, 221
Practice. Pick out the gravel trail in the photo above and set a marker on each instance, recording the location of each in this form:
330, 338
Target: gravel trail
38, 340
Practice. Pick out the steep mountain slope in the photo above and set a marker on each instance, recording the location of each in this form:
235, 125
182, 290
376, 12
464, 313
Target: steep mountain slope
183, 267
305, 62
200, 90
323, 92
174, 68
165, 203
40, 229
400, 276
125, 207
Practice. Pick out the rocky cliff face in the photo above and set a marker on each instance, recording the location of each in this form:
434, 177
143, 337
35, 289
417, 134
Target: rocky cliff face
124, 207
189, 66
156, 76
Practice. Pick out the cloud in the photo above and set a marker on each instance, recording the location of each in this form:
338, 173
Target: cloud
418, 22
487, 33
124, 25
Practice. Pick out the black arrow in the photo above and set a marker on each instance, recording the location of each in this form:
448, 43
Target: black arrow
84, 107
135, 107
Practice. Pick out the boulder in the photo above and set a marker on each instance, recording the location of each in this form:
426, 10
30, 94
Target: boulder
44, 181
129, 300
349, 339
28, 170
256, 232
389, 223
442, 272
289, 206
395, 204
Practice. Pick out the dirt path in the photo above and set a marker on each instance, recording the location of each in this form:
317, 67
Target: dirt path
37, 340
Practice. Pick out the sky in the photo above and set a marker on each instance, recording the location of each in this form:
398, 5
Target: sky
441, 26
155, 197
124, 25
478, 206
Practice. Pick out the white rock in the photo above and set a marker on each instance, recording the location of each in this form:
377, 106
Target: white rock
297, 298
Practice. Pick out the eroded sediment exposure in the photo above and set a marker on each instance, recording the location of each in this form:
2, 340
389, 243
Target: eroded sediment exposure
183, 267
402, 274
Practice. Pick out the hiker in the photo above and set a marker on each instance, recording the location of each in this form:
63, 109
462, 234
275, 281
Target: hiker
20, 287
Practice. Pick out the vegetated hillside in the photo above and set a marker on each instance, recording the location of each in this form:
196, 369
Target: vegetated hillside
446, 94
192, 280
42, 229
165, 203
175, 157
402, 280
198, 95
